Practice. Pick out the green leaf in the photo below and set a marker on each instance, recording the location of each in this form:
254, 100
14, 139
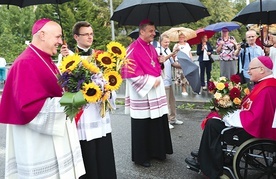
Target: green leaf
73, 103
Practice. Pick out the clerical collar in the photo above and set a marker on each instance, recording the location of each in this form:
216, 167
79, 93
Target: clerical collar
82, 51
269, 76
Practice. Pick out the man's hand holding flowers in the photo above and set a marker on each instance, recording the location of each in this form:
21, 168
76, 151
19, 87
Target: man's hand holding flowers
91, 79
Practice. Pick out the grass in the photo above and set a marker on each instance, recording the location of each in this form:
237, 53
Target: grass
120, 102
215, 72
186, 106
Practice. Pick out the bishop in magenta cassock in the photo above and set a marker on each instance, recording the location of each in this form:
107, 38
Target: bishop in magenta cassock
40, 143
146, 100
256, 117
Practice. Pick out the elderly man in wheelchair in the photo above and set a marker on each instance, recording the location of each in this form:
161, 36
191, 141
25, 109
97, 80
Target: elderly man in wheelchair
243, 142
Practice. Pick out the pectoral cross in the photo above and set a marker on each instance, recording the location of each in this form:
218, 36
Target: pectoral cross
152, 63
274, 121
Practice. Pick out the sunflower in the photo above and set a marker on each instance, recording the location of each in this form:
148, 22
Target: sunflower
117, 49
106, 60
114, 80
96, 53
69, 63
91, 92
90, 66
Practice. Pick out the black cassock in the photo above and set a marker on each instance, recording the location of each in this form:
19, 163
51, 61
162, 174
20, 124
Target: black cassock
210, 155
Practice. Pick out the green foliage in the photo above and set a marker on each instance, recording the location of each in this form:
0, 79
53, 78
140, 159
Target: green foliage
15, 29
73, 103
215, 72
120, 102
186, 106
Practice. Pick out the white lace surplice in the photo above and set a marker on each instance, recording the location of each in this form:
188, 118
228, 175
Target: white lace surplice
91, 125
143, 100
47, 147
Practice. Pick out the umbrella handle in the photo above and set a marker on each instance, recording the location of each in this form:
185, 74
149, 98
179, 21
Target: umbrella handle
161, 64
262, 37
64, 42
261, 27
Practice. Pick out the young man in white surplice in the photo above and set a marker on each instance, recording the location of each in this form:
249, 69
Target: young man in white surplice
94, 131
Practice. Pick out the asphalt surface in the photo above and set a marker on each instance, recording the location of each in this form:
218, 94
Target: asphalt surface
185, 138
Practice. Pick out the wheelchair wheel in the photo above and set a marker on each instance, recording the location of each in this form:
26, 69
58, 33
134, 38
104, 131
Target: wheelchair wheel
255, 158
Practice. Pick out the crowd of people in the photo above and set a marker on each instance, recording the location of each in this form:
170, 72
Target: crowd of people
84, 149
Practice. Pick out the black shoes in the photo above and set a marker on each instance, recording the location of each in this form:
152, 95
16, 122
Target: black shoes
193, 164
145, 164
194, 153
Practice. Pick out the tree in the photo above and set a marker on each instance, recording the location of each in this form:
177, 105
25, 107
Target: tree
15, 29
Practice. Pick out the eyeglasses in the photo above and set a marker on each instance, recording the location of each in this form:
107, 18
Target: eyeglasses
254, 68
87, 34
251, 36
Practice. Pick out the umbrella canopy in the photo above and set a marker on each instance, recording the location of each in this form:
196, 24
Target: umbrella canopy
174, 33
257, 12
24, 3
221, 25
190, 71
135, 33
199, 34
161, 12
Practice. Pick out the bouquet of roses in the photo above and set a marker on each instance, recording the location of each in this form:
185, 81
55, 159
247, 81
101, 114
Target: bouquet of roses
91, 79
228, 94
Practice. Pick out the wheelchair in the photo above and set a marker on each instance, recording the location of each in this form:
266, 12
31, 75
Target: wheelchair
246, 157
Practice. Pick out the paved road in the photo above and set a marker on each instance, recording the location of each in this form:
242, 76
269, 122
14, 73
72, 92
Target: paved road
184, 137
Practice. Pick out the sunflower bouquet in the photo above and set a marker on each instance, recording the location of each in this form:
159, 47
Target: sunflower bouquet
228, 94
91, 79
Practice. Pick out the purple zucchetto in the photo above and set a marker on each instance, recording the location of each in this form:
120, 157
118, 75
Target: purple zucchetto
39, 24
145, 21
266, 61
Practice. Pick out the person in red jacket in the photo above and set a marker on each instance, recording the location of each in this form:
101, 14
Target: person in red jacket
256, 117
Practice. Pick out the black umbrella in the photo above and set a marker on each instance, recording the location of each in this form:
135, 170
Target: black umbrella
190, 71
161, 12
25, 3
258, 12
135, 33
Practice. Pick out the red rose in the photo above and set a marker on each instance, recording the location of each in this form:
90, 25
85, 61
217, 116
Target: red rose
98, 52
211, 86
235, 78
226, 85
234, 93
